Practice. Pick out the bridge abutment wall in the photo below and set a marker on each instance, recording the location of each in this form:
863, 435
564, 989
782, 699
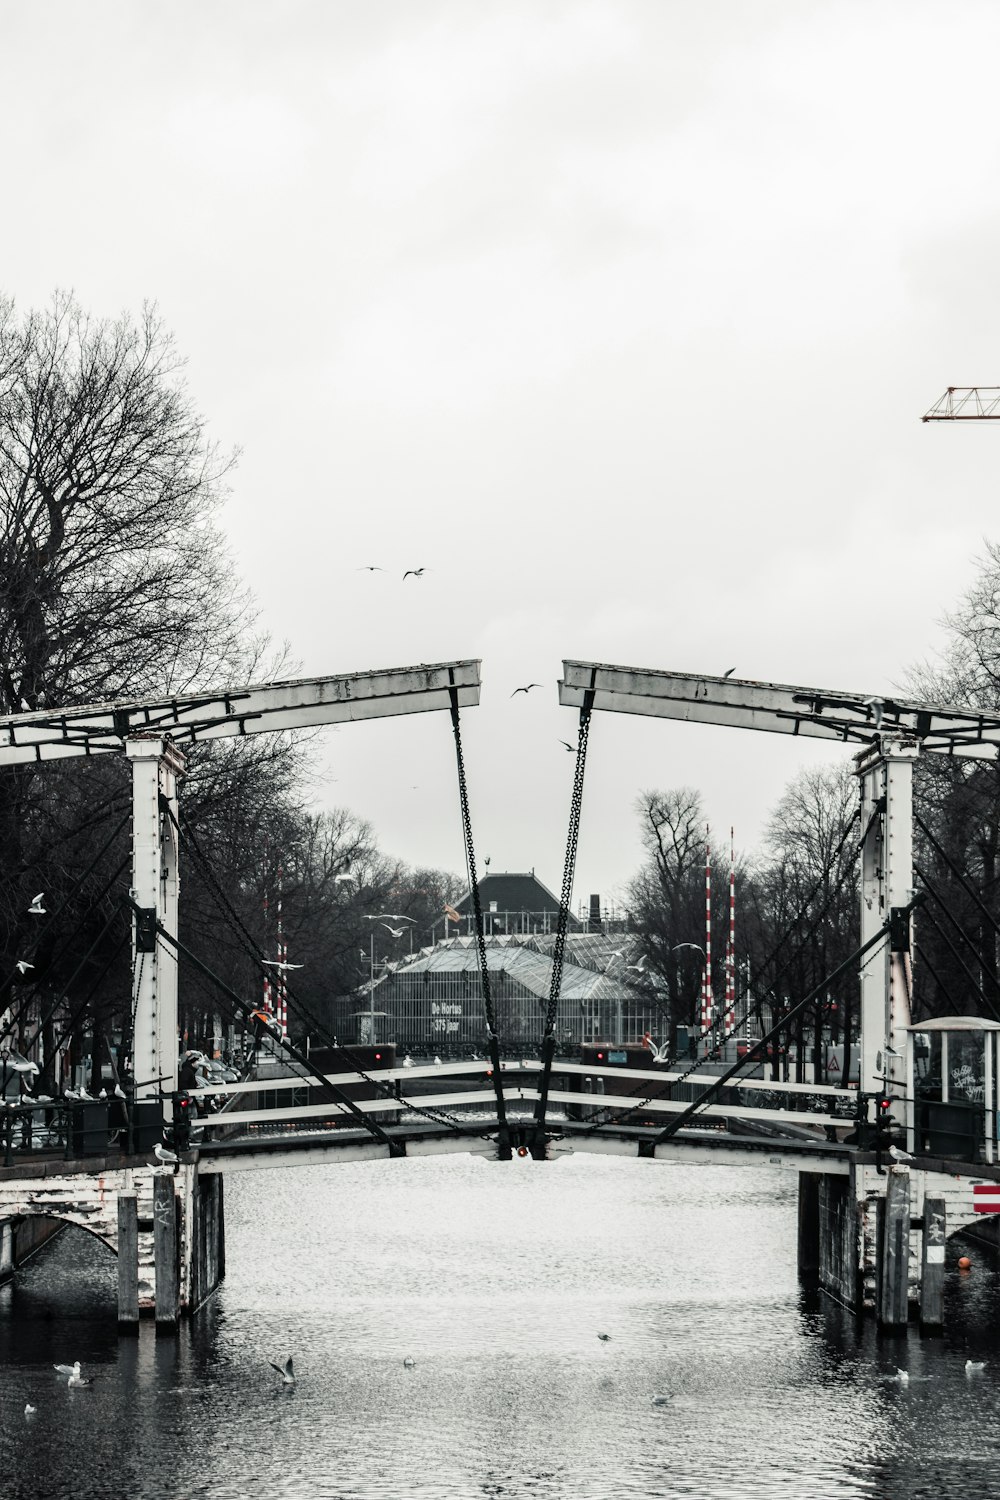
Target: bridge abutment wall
168, 1232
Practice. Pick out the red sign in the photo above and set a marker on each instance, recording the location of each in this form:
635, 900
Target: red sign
986, 1197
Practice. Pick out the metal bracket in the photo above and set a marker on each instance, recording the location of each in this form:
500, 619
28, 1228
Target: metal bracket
145, 929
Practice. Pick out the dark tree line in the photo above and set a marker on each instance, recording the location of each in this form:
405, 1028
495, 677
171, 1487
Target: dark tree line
116, 584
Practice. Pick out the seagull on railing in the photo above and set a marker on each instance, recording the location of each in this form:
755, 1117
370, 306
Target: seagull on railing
898, 1155
164, 1157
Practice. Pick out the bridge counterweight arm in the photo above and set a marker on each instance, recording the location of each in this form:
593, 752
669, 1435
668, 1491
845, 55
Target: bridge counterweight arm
855, 719
61, 734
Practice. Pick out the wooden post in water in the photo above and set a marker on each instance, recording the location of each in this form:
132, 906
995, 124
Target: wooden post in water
808, 1223
932, 1265
128, 1262
893, 1251
165, 1252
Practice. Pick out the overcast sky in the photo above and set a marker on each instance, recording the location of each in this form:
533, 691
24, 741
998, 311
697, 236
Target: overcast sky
617, 317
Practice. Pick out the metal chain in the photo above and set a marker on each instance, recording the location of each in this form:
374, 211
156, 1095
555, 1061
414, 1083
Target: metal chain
569, 868
470, 859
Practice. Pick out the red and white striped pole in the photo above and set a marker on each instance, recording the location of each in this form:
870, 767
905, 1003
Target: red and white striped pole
282, 1009
268, 999
707, 1007
731, 945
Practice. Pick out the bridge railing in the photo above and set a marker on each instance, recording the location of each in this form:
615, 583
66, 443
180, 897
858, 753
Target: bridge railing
646, 1094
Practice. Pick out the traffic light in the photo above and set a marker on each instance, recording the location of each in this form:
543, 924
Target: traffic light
183, 1109
884, 1126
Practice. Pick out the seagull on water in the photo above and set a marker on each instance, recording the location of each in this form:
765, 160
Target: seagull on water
29, 1410
973, 1366
164, 1157
408, 1363
661, 1400
36, 909
902, 1377
285, 1371
526, 689
605, 1338
76, 1381
73, 1372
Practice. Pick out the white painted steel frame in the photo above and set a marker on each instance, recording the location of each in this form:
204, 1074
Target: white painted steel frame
262, 708
523, 1065
622, 1103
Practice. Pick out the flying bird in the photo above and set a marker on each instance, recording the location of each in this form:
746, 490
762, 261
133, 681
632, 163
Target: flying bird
639, 968
369, 568
526, 689
36, 909
396, 932
277, 963
569, 747
285, 1371
414, 573
394, 916
661, 1053
344, 875
164, 1157
452, 914
729, 673
23, 966
877, 709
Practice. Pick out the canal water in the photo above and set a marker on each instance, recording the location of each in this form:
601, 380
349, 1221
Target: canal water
496, 1280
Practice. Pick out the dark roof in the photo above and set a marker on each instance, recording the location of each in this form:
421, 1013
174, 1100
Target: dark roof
513, 892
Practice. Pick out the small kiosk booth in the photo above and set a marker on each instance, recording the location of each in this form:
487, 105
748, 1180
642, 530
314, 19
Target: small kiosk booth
953, 1084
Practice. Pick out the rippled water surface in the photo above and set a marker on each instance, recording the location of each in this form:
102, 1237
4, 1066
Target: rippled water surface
496, 1280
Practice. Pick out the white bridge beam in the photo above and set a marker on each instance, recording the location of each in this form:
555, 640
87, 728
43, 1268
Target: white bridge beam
61, 734
820, 713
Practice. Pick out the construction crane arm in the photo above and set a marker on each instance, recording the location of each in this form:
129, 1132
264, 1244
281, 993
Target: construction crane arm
966, 403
